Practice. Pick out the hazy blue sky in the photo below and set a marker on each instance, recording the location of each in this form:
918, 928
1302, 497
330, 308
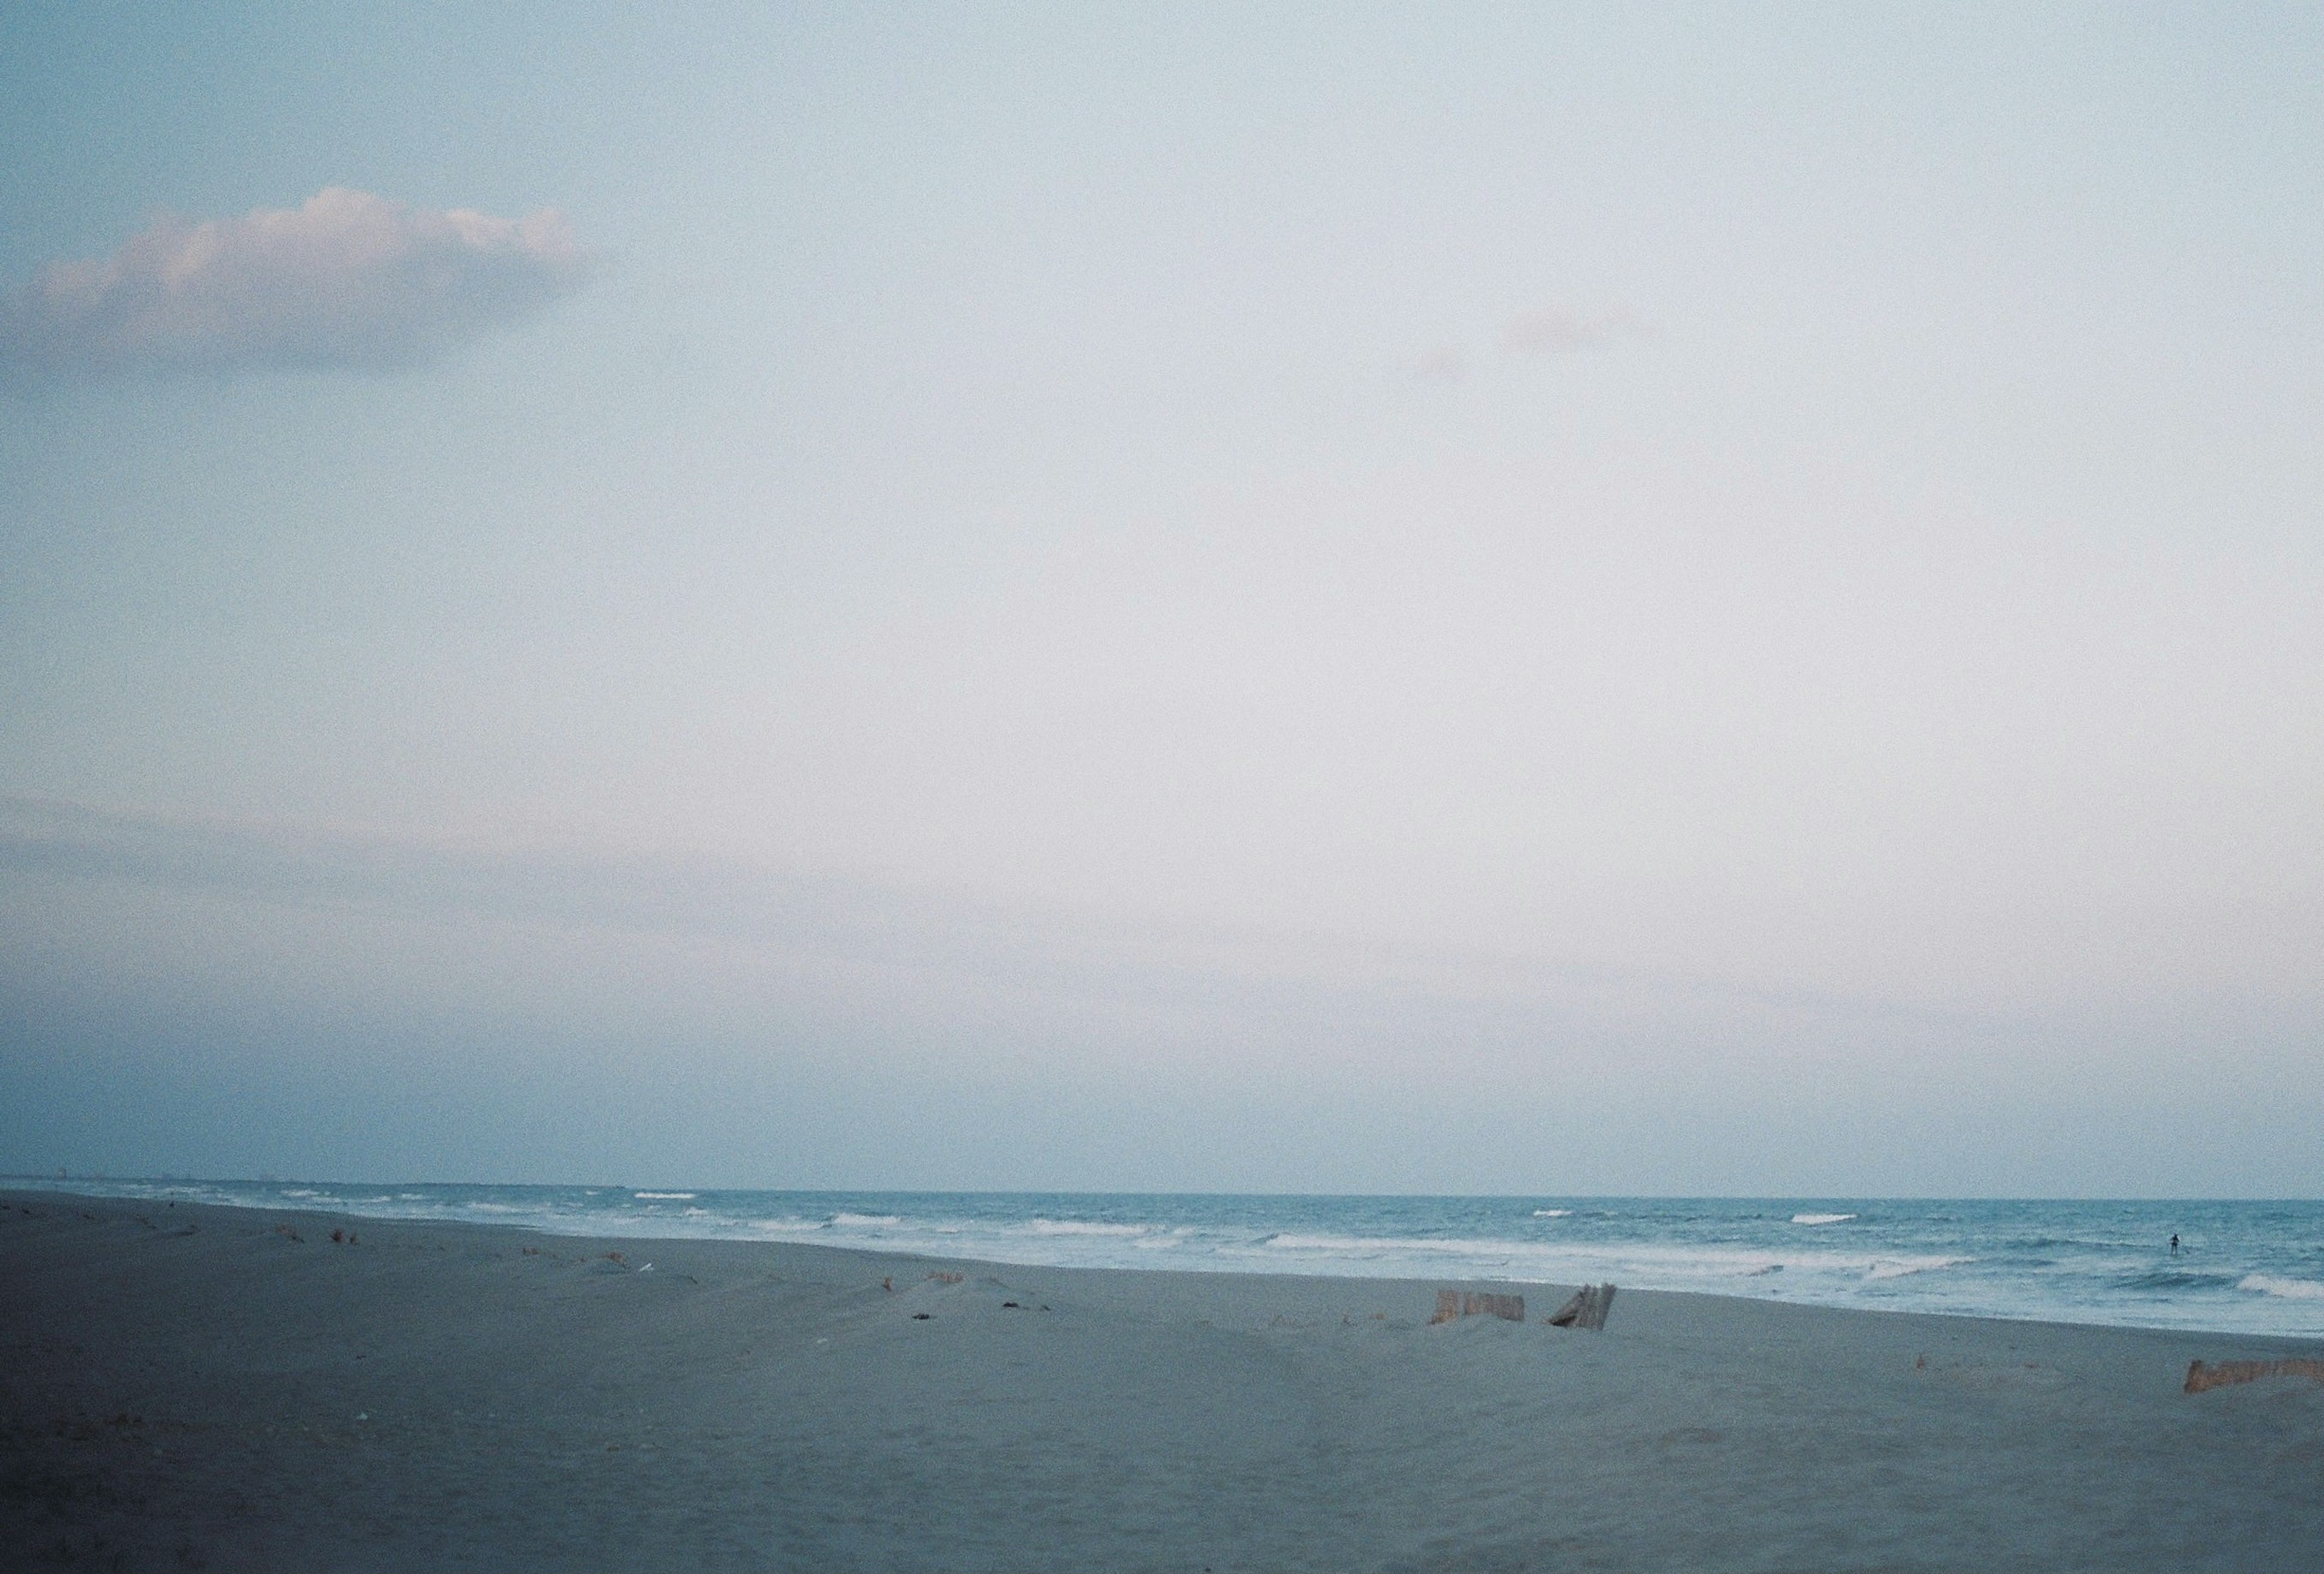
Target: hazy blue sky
1718, 598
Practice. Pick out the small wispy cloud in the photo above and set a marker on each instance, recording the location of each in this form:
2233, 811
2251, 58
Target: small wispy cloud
1441, 363
1548, 330
346, 280
1558, 330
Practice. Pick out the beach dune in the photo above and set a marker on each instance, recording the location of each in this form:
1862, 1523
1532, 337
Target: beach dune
191, 1387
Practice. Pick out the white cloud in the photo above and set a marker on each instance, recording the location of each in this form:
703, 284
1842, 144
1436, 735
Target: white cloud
1555, 331
1441, 363
349, 279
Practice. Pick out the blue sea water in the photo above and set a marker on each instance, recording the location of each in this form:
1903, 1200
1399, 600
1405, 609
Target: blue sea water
2249, 1267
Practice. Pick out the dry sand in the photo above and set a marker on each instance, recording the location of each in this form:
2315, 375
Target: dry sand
190, 1387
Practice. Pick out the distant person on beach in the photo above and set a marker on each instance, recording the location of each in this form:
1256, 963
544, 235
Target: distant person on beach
2174, 1243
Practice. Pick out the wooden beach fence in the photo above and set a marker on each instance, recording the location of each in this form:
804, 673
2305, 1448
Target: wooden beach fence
1586, 1309
1458, 1303
2200, 1377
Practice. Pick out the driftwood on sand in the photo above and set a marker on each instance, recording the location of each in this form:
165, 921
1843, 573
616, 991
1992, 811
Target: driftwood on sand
1585, 1309
1459, 1303
2201, 1377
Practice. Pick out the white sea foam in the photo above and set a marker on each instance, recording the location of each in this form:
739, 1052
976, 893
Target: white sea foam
1074, 1227
663, 1196
1897, 1267
2288, 1289
1821, 1218
1376, 1245
865, 1220
1553, 1213
1649, 1264
790, 1225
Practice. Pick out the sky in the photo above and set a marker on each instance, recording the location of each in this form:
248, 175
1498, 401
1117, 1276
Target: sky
1697, 599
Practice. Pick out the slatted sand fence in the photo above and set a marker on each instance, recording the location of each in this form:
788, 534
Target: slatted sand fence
2224, 1374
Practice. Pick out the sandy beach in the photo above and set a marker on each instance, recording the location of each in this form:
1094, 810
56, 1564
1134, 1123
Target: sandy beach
190, 1387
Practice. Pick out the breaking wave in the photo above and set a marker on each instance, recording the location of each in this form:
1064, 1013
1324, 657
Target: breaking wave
1896, 1269
1074, 1227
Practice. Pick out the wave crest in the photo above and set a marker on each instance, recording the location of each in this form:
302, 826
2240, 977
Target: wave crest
1898, 1267
1074, 1227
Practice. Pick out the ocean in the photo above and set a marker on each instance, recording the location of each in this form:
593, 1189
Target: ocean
2245, 1267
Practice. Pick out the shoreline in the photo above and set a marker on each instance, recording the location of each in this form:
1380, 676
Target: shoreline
189, 1381
2247, 1269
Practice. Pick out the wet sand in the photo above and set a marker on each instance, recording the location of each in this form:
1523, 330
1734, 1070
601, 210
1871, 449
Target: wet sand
186, 1387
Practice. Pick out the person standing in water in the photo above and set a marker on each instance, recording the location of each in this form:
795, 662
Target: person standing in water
2174, 1243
